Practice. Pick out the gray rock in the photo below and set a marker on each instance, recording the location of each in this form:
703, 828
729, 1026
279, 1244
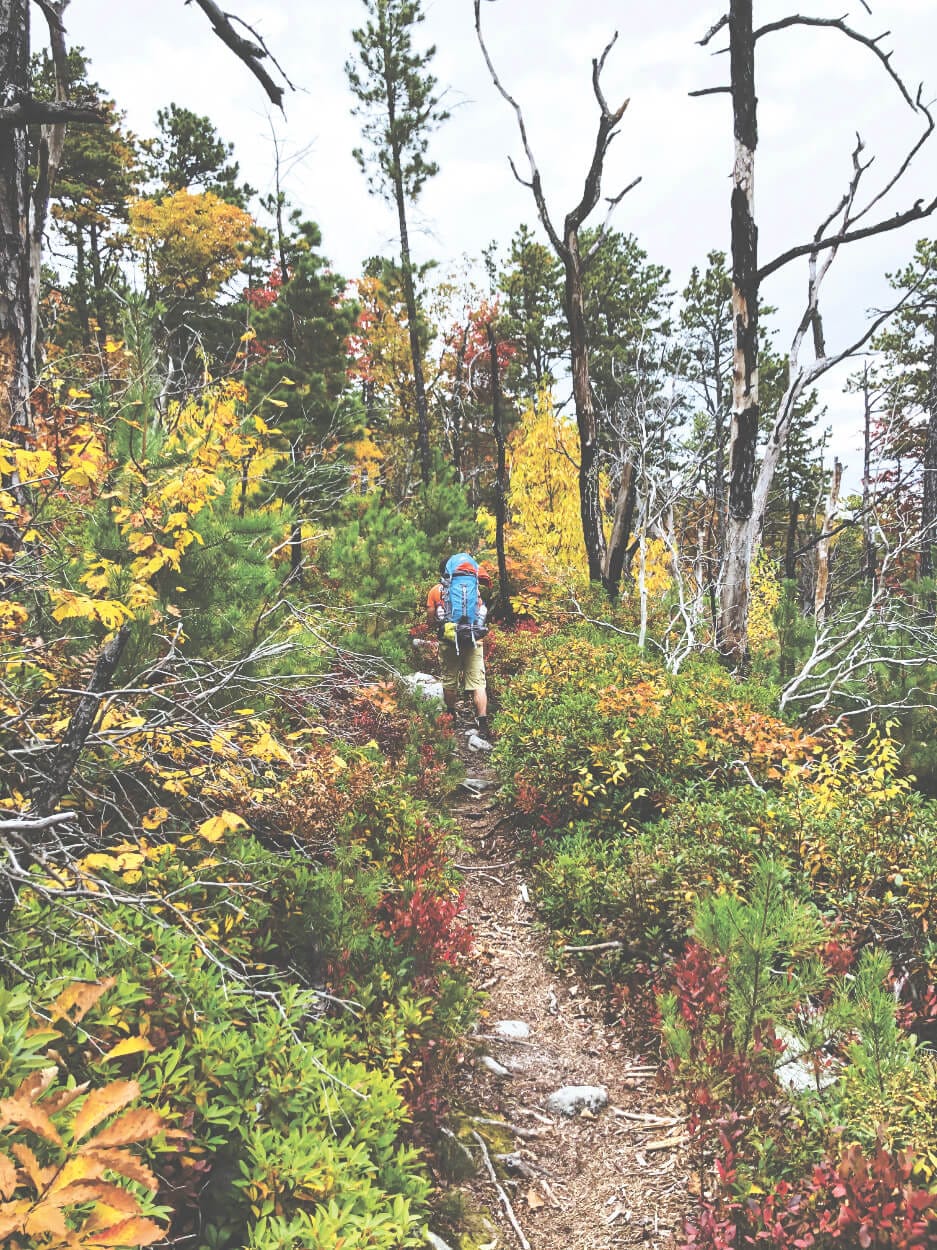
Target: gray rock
513, 1030
426, 684
477, 743
495, 1068
572, 1099
436, 1243
475, 785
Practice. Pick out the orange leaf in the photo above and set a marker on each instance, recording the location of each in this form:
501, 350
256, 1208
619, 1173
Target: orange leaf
61, 1098
12, 1215
7, 1177
24, 1114
44, 1220
102, 1191
132, 1232
82, 995
101, 1103
36, 1084
135, 1126
126, 1164
31, 1165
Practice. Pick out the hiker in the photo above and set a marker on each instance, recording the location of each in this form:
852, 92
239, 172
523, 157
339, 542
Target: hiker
456, 610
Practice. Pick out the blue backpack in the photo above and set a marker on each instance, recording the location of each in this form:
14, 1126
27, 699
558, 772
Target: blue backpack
464, 611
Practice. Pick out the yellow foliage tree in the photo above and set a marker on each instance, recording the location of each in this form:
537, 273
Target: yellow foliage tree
191, 244
544, 495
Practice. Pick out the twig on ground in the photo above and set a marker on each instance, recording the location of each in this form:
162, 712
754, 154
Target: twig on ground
596, 946
502, 1195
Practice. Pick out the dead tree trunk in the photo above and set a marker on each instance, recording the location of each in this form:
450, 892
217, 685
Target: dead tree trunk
89, 705
732, 634
821, 591
566, 247
748, 495
16, 329
929, 497
868, 540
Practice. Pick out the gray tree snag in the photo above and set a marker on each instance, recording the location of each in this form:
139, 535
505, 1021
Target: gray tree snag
16, 320
566, 244
750, 483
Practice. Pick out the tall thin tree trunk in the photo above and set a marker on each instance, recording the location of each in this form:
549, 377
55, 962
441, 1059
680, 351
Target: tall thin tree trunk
416, 354
822, 590
929, 498
736, 587
507, 611
622, 520
868, 542
589, 504
16, 330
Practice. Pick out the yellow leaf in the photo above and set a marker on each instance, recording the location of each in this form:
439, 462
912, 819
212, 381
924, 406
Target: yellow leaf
129, 1046
76, 394
214, 829
277, 403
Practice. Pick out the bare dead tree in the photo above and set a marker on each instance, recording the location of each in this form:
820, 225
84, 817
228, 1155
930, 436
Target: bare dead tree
750, 484
825, 544
566, 245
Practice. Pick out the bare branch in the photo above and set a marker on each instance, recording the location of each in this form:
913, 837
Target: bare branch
711, 91
28, 112
714, 30
839, 23
918, 212
35, 824
252, 54
535, 183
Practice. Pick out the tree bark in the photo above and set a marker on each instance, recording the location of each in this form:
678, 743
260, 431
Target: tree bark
66, 756
622, 521
416, 354
822, 590
16, 322
868, 541
732, 633
589, 503
504, 586
929, 497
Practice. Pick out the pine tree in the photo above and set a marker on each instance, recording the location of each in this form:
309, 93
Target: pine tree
299, 376
399, 106
189, 154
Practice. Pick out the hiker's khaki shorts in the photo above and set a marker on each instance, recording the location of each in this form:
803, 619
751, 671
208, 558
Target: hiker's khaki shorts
468, 664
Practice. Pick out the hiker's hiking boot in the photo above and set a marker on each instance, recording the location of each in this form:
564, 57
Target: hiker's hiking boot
482, 729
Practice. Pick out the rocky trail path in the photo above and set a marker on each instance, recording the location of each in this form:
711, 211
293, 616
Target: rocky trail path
573, 1143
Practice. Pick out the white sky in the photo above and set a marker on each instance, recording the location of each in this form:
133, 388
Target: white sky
816, 90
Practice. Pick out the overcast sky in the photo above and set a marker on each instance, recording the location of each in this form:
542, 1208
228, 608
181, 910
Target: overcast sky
816, 90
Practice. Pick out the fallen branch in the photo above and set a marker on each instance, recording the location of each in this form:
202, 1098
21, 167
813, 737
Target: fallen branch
528, 1134
35, 824
596, 946
502, 1195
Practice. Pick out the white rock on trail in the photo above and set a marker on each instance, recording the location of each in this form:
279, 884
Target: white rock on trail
512, 1030
426, 684
476, 743
436, 1243
495, 1068
572, 1099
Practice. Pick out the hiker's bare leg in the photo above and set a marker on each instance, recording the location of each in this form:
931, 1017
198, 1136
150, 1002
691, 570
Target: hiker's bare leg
481, 702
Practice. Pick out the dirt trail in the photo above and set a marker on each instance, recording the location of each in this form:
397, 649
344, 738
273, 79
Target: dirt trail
618, 1177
